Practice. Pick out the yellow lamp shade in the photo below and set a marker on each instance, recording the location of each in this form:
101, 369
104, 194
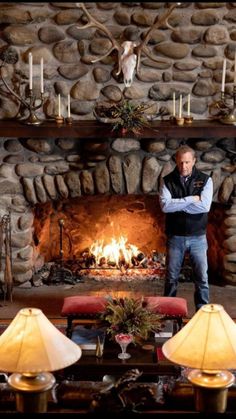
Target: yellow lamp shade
207, 341
32, 344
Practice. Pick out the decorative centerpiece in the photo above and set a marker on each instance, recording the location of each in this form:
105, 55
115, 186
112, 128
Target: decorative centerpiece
131, 316
125, 115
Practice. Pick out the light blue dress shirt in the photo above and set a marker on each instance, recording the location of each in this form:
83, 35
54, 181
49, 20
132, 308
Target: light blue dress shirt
187, 204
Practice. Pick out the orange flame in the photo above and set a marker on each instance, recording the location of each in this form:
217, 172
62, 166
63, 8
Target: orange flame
115, 251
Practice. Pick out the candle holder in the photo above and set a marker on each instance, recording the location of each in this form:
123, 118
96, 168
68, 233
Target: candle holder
188, 120
179, 121
69, 120
32, 119
59, 119
29, 102
225, 108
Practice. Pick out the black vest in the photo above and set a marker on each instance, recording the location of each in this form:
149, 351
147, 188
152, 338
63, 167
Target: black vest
180, 223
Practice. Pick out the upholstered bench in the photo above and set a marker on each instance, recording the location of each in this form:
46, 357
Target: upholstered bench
79, 307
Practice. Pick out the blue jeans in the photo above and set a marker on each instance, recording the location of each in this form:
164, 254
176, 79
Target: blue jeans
196, 246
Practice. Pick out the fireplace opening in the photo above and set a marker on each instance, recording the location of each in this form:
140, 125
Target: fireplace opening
112, 237
103, 236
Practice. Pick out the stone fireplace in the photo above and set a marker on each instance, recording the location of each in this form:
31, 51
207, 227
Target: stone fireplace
47, 170
105, 186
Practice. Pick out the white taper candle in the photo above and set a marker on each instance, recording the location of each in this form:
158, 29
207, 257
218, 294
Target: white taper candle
223, 76
180, 106
41, 76
174, 104
59, 105
188, 105
30, 71
68, 106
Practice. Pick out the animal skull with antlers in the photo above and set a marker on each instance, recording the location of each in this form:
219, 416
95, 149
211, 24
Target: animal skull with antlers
129, 54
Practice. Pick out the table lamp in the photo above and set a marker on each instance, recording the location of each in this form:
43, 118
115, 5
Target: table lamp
30, 348
206, 345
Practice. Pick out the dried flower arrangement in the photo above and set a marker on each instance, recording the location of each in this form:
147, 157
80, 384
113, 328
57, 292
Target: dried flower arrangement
124, 115
131, 315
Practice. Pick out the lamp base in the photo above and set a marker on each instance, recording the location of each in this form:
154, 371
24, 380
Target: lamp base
31, 391
211, 389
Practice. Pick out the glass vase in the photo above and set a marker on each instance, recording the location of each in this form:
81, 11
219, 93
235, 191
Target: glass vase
124, 339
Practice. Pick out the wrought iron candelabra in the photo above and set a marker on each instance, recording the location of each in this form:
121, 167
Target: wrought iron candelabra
225, 108
29, 102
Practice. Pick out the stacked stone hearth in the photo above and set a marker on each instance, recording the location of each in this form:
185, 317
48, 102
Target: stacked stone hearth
37, 171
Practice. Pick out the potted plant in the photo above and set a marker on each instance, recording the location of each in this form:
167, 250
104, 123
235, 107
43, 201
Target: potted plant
132, 316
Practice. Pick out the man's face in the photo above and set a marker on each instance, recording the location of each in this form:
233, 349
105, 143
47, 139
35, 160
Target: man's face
185, 163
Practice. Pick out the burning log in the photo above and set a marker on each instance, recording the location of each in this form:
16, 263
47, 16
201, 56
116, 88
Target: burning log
117, 260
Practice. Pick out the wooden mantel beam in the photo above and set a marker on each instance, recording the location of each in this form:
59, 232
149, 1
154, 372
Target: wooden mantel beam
93, 129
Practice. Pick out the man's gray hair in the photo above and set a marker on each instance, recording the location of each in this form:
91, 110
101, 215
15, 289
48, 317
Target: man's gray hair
185, 149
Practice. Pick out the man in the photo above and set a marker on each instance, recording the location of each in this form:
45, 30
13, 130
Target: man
185, 197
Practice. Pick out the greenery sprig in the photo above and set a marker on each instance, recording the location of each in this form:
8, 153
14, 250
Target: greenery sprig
131, 117
126, 115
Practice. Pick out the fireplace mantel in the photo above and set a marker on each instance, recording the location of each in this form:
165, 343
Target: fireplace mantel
93, 129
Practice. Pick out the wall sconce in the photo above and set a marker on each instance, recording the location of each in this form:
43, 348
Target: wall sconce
207, 343
31, 347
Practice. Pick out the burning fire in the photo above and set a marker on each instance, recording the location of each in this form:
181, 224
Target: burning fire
115, 253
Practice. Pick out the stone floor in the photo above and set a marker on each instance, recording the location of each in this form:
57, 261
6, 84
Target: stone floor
49, 298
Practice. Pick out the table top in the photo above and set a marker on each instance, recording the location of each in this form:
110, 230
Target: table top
90, 367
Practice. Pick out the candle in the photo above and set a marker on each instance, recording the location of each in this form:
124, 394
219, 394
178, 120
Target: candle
41, 76
180, 106
68, 108
235, 67
30, 71
174, 104
59, 105
223, 76
188, 105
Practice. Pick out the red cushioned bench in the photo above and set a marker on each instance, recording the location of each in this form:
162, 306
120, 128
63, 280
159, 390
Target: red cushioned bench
79, 307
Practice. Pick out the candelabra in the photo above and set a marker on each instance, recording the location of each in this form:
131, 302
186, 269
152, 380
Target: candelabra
224, 109
30, 101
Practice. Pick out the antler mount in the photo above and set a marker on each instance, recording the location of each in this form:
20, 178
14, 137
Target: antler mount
129, 53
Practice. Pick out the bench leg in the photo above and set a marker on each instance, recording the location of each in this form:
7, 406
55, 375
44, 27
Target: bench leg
69, 327
179, 323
